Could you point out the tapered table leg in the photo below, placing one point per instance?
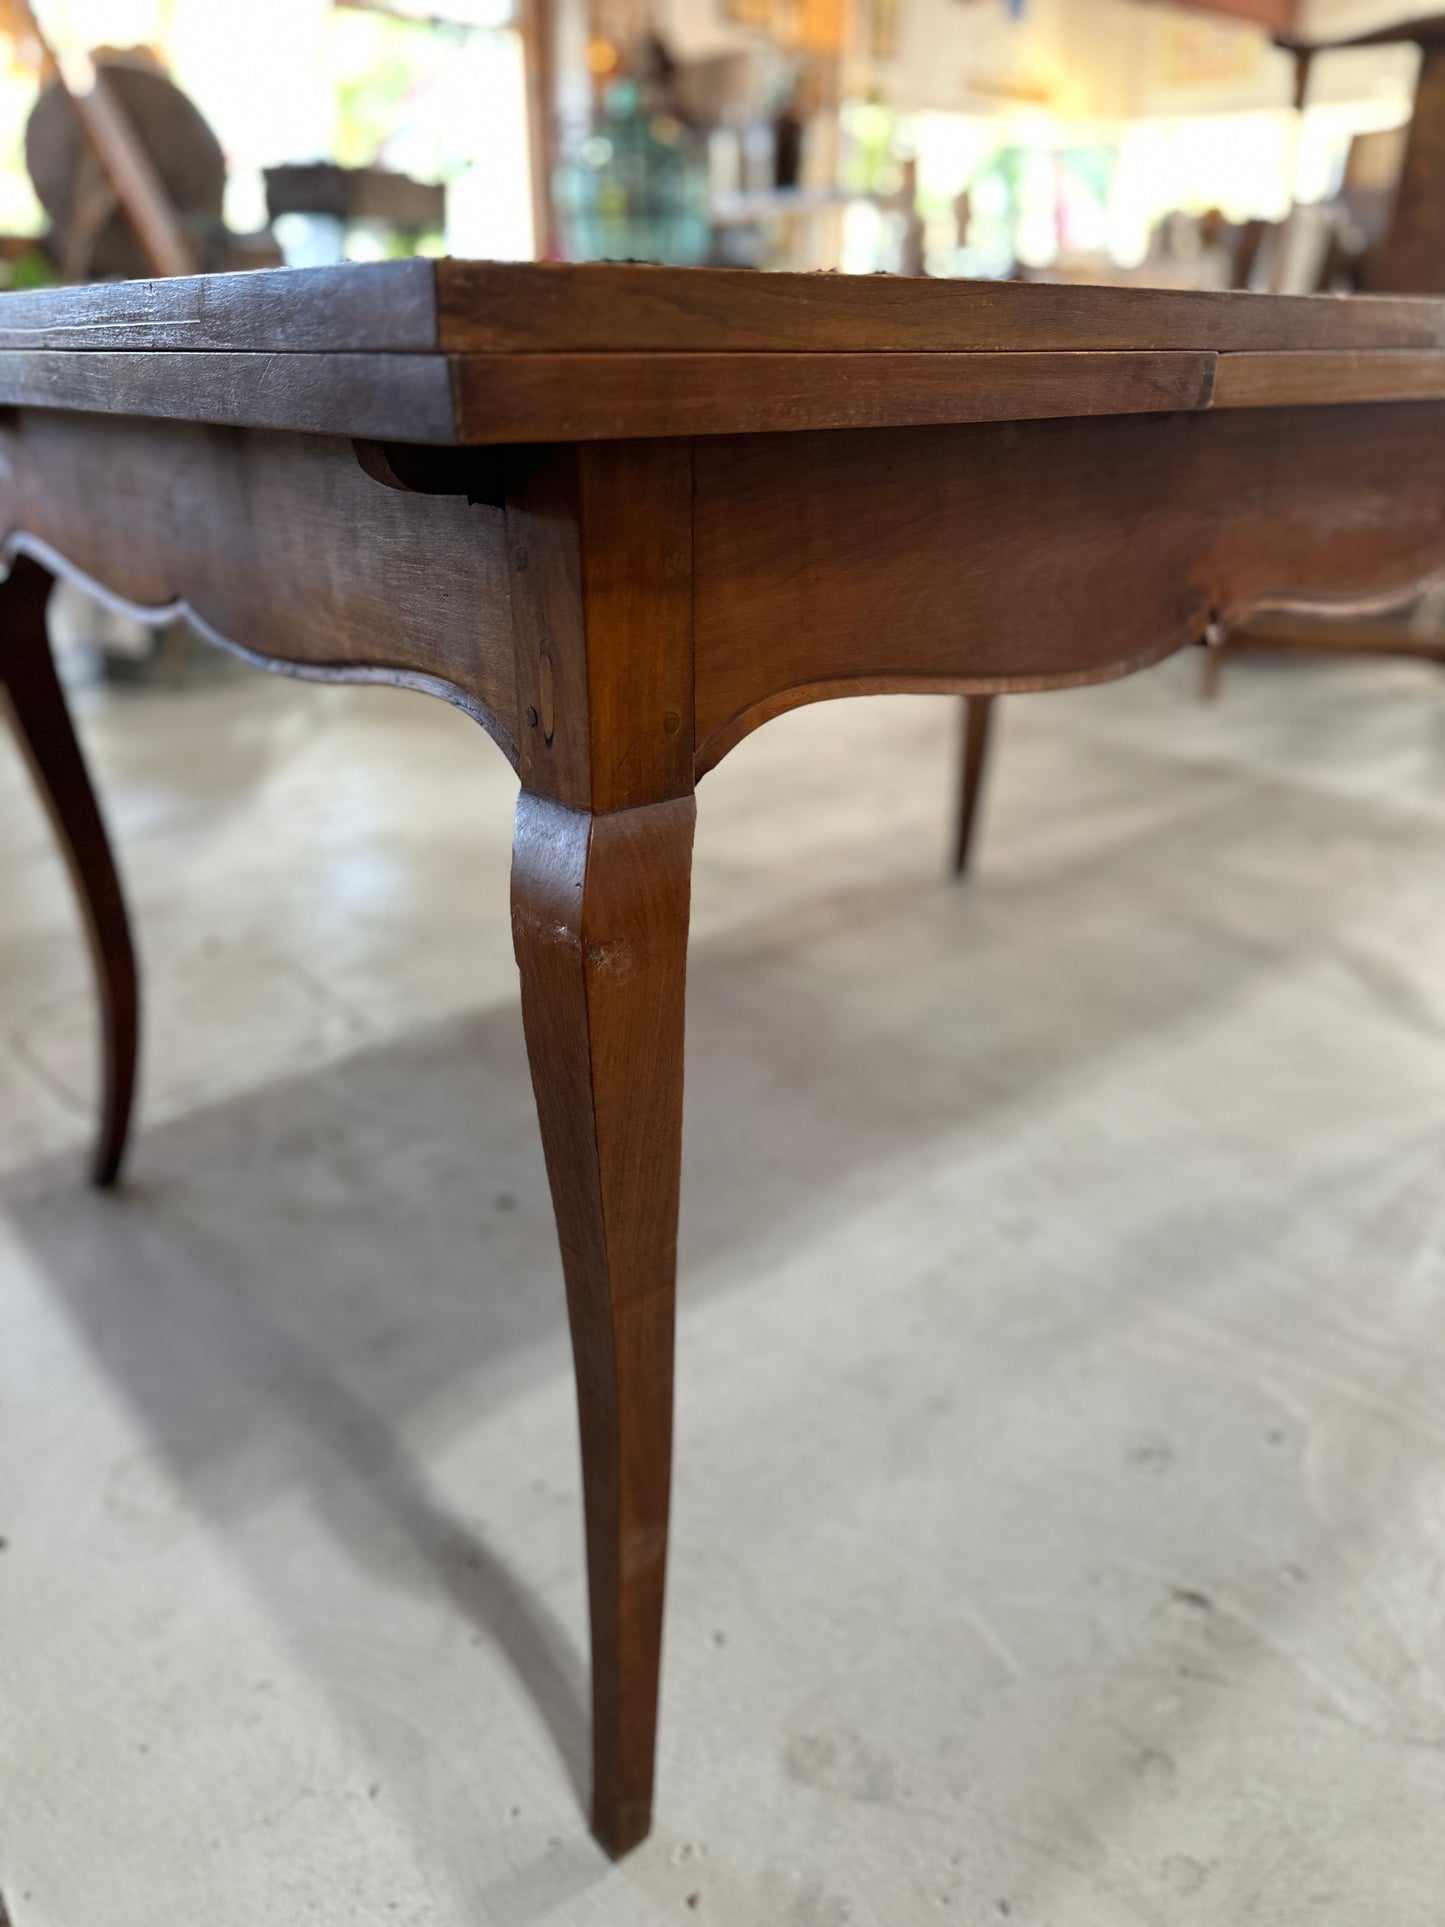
(1212, 672)
(37, 704)
(977, 723)
(599, 916)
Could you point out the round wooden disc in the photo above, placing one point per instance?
(186, 154)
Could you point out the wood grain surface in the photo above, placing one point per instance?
(1031, 555)
(279, 546)
(30, 689)
(371, 396)
(515, 399)
(457, 353)
(536, 307)
(600, 548)
(599, 920)
(1328, 378)
(651, 588)
(521, 398)
(510, 400)
(420, 307)
(384, 307)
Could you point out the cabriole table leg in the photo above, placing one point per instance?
(37, 705)
(599, 917)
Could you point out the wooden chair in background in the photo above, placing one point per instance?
(1388, 238)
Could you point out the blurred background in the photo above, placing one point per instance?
(1091, 139)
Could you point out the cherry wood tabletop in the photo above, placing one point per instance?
(623, 516)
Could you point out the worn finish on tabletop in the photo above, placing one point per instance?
(456, 352)
(389, 310)
(420, 307)
(382, 397)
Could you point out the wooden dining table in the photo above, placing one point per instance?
(623, 516)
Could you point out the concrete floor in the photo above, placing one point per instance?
(1059, 1532)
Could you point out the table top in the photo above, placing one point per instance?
(443, 352)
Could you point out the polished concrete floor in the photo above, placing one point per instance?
(1060, 1513)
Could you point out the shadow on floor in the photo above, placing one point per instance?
(317, 1284)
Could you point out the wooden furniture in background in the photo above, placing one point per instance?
(126, 167)
(90, 162)
(1387, 635)
(1411, 257)
(564, 500)
(1407, 257)
(346, 194)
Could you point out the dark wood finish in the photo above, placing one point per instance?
(1350, 375)
(502, 398)
(386, 307)
(37, 708)
(539, 307)
(375, 397)
(524, 308)
(600, 548)
(1037, 554)
(977, 726)
(440, 400)
(453, 352)
(278, 546)
(621, 600)
(437, 399)
(599, 917)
